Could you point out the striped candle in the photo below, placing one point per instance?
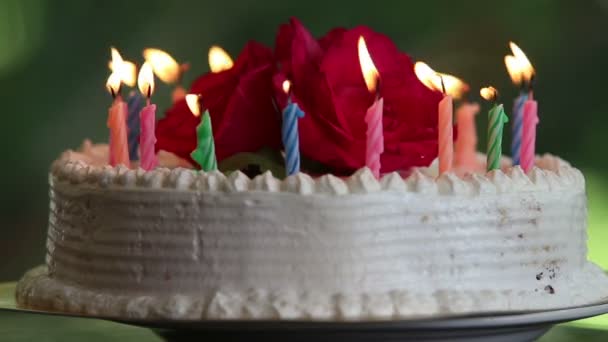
(518, 118)
(119, 148)
(148, 137)
(375, 136)
(291, 143)
(204, 154)
(496, 121)
(135, 103)
(528, 146)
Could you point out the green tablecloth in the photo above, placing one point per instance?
(27, 327)
(42, 328)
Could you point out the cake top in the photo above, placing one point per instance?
(87, 167)
(333, 105)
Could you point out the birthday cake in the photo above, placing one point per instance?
(343, 232)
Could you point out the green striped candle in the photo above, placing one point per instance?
(204, 154)
(496, 121)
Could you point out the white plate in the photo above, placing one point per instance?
(499, 327)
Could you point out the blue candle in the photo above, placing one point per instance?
(517, 128)
(135, 103)
(291, 114)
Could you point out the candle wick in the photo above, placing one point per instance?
(442, 84)
(275, 105)
(522, 82)
(495, 96)
(378, 88)
(200, 105)
(531, 83)
(149, 92)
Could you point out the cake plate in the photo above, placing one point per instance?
(498, 327)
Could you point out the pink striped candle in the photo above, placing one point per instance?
(147, 137)
(375, 136)
(373, 117)
(147, 118)
(528, 139)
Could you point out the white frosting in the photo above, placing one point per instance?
(186, 244)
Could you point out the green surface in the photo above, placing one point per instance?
(29, 327)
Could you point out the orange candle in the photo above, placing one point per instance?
(465, 158)
(117, 123)
(446, 132)
(452, 88)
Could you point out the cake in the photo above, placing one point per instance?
(357, 212)
(185, 244)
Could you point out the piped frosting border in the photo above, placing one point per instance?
(550, 174)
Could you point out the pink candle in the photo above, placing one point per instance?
(465, 158)
(373, 117)
(446, 144)
(375, 136)
(528, 139)
(147, 117)
(147, 137)
(117, 123)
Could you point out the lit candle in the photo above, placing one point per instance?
(134, 100)
(167, 70)
(147, 117)
(520, 70)
(464, 156)
(528, 145)
(373, 117)
(291, 143)
(496, 121)
(204, 154)
(119, 152)
(446, 131)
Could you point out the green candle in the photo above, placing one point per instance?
(496, 121)
(204, 154)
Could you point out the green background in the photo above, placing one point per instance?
(53, 57)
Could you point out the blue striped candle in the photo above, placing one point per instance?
(291, 142)
(517, 128)
(135, 103)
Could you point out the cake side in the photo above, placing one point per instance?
(185, 244)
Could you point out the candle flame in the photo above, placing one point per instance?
(193, 104)
(518, 65)
(370, 73)
(145, 80)
(126, 69)
(163, 65)
(454, 86)
(286, 86)
(113, 83)
(489, 93)
(219, 59)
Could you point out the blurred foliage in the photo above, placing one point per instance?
(53, 57)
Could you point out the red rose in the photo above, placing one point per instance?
(328, 85)
(240, 102)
